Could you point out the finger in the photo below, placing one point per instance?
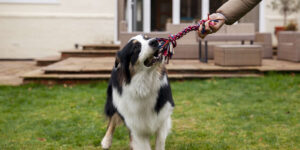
(207, 27)
(201, 34)
(217, 26)
(202, 29)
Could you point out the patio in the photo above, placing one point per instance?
(86, 70)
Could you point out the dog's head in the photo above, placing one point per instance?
(140, 53)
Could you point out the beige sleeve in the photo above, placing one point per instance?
(233, 10)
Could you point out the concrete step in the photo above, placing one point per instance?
(100, 47)
(88, 53)
(45, 61)
(38, 76)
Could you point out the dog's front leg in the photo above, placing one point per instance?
(162, 134)
(140, 142)
(113, 122)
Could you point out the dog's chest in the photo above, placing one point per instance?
(137, 102)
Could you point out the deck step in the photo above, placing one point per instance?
(108, 69)
(100, 47)
(45, 61)
(38, 76)
(88, 53)
(104, 65)
(86, 70)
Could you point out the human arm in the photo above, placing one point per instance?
(228, 13)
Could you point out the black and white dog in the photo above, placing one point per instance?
(139, 94)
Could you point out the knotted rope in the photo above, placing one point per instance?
(167, 45)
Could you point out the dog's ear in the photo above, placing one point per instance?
(135, 52)
(128, 56)
(124, 59)
(117, 62)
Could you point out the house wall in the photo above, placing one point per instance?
(274, 18)
(32, 30)
(252, 17)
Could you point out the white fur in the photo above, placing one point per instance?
(137, 101)
(106, 142)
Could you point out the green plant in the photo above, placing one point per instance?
(286, 7)
(292, 26)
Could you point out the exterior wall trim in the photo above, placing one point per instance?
(31, 1)
(176, 12)
(116, 23)
(129, 15)
(147, 16)
(58, 15)
(205, 8)
(262, 23)
(279, 17)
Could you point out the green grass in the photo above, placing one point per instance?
(252, 113)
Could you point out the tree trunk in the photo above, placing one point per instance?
(285, 18)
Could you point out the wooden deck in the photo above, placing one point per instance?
(85, 70)
(105, 64)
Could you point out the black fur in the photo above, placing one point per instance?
(110, 109)
(164, 96)
(115, 75)
(128, 55)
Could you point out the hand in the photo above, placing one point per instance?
(212, 29)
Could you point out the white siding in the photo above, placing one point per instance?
(37, 30)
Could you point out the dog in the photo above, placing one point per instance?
(139, 94)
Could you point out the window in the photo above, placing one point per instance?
(30, 1)
(190, 10)
(215, 5)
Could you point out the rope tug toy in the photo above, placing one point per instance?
(167, 45)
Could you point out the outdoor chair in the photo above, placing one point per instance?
(265, 40)
(240, 34)
(227, 35)
(289, 46)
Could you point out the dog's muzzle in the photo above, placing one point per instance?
(156, 55)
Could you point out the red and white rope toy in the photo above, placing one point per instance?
(167, 45)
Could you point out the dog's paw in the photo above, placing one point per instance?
(106, 143)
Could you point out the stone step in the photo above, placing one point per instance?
(100, 47)
(38, 76)
(45, 61)
(88, 53)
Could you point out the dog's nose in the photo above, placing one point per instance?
(153, 43)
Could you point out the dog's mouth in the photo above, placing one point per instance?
(153, 59)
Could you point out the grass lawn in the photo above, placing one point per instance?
(251, 113)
